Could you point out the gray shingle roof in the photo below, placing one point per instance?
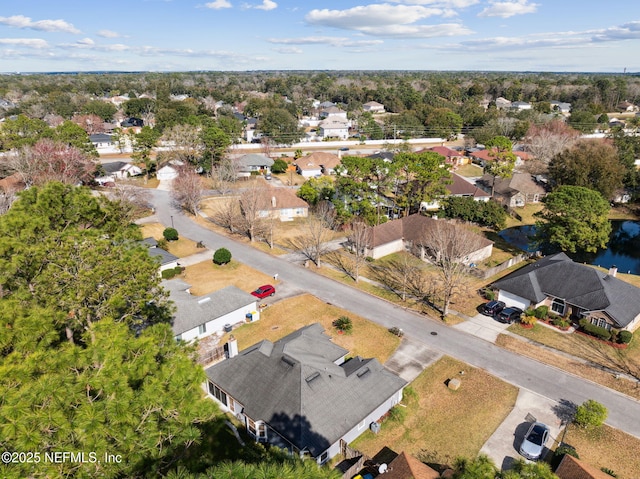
(192, 311)
(580, 285)
(254, 159)
(164, 256)
(295, 386)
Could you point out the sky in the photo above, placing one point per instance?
(246, 35)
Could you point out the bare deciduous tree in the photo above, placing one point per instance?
(546, 141)
(317, 232)
(223, 174)
(227, 214)
(252, 204)
(359, 240)
(134, 201)
(48, 160)
(92, 124)
(187, 189)
(185, 142)
(404, 277)
(448, 246)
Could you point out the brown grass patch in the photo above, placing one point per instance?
(526, 214)
(180, 248)
(443, 423)
(469, 170)
(367, 339)
(568, 364)
(206, 277)
(606, 447)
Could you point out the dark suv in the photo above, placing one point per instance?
(492, 308)
(509, 315)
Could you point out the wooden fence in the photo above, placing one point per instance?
(487, 273)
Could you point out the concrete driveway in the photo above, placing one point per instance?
(503, 446)
(411, 358)
(481, 326)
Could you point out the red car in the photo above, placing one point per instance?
(264, 291)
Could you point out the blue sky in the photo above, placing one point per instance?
(179, 35)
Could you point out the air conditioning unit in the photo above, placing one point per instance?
(375, 427)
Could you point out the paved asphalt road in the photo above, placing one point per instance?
(547, 381)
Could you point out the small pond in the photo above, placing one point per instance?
(623, 249)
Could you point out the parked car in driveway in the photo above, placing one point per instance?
(264, 291)
(534, 441)
(493, 307)
(509, 315)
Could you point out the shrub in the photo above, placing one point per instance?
(488, 294)
(541, 312)
(222, 256)
(590, 414)
(606, 470)
(163, 244)
(625, 337)
(171, 272)
(563, 449)
(279, 166)
(561, 322)
(344, 324)
(594, 330)
(397, 331)
(397, 414)
(170, 234)
(526, 319)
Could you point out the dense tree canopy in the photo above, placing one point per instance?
(574, 219)
(589, 163)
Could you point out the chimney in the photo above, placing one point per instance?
(232, 346)
(613, 271)
(273, 201)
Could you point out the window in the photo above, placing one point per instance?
(362, 424)
(323, 457)
(558, 306)
(600, 322)
(202, 329)
(251, 426)
(218, 393)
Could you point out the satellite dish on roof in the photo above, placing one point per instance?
(382, 468)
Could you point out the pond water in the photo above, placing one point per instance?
(623, 249)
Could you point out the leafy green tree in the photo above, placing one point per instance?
(443, 123)
(23, 131)
(481, 467)
(418, 177)
(216, 142)
(284, 469)
(589, 163)
(170, 234)
(574, 218)
(73, 135)
(103, 109)
(583, 121)
(222, 256)
(143, 144)
(371, 129)
(316, 189)
(628, 148)
(62, 248)
(136, 396)
(139, 107)
(280, 126)
(503, 160)
(486, 213)
(279, 166)
(590, 414)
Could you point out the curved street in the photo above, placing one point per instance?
(547, 381)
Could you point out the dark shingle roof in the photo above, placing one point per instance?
(296, 386)
(580, 285)
(164, 256)
(192, 311)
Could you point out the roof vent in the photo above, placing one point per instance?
(312, 377)
(288, 361)
(363, 373)
(203, 300)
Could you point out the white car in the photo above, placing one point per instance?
(534, 441)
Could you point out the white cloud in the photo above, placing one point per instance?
(440, 3)
(331, 41)
(25, 42)
(267, 5)
(218, 4)
(508, 9)
(371, 16)
(86, 41)
(20, 21)
(108, 34)
(289, 50)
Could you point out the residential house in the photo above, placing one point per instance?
(317, 163)
(197, 317)
(405, 466)
(626, 106)
(132, 123)
(458, 187)
(121, 169)
(333, 112)
(253, 163)
(520, 105)
(573, 468)
(518, 190)
(164, 258)
(334, 128)
(167, 173)
(373, 107)
(560, 107)
(326, 104)
(502, 103)
(453, 157)
(302, 394)
(482, 157)
(407, 233)
(573, 289)
(282, 204)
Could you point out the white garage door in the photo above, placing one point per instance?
(511, 299)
